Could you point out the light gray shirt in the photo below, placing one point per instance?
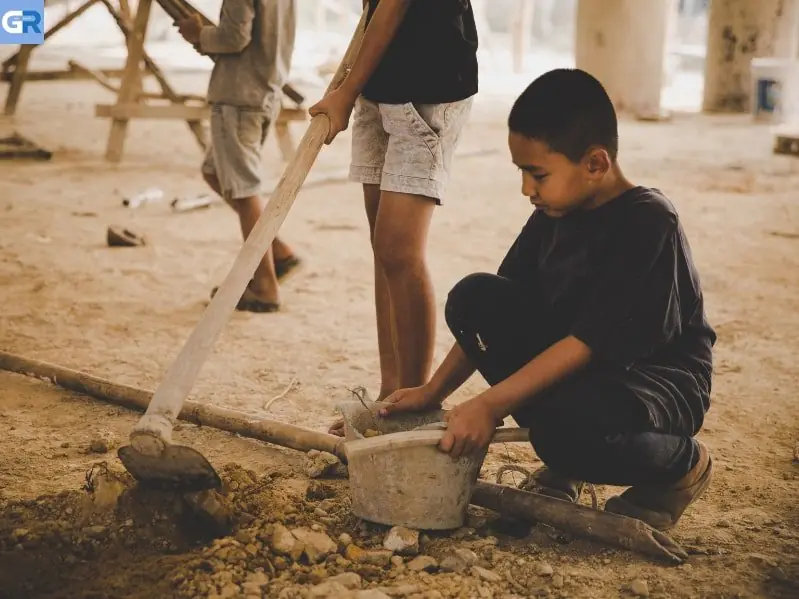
(252, 46)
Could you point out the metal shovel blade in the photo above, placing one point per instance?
(178, 468)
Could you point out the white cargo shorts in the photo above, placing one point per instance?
(406, 148)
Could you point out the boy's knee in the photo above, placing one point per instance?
(395, 254)
(466, 297)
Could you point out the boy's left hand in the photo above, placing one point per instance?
(337, 105)
(190, 29)
(470, 426)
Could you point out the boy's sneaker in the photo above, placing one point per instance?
(545, 482)
(661, 507)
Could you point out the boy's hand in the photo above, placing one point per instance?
(337, 105)
(470, 426)
(190, 29)
(413, 399)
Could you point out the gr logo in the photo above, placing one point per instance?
(22, 22)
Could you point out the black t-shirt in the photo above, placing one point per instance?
(621, 279)
(432, 58)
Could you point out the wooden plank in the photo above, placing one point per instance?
(194, 125)
(136, 110)
(17, 79)
(130, 86)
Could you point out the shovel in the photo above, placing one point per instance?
(151, 458)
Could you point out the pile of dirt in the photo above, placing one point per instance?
(258, 536)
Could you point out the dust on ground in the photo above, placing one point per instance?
(123, 314)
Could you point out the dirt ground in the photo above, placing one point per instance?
(123, 314)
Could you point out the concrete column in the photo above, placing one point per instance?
(738, 31)
(623, 44)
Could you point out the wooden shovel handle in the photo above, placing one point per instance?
(154, 429)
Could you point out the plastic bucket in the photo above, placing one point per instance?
(773, 80)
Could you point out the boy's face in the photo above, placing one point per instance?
(555, 184)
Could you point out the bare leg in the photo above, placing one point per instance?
(280, 250)
(400, 242)
(389, 375)
(386, 335)
(264, 281)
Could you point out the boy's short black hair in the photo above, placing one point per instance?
(570, 111)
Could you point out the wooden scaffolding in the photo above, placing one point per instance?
(132, 102)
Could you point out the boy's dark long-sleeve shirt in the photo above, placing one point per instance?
(621, 279)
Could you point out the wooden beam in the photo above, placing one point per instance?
(17, 79)
(136, 110)
(194, 125)
(130, 85)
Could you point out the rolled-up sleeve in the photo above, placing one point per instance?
(234, 31)
(632, 308)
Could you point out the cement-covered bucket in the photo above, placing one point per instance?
(400, 477)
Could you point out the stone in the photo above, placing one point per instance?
(254, 583)
(370, 594)
(354, 553)
(402, 541)
(639, 587)
(344, 539)
(544, 569)
(230, 591)
(320, 465)
(316, 545)
(103, 442)
(285, 543)
(397, 561)
(329, 590)
(423, 563)
(319, 491)
(349, 580)
(459, 560)
(557, 581)
(377, 557)
(486, 575)
(318, 574)
(320, 513)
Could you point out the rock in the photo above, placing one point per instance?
(422, 563)
(317, 491)
(639, 587)
(349, 580)
(94, 531)
(329, 590)
(459, 560)
(230, 591)
(320, 513)
(320, 465)
(557, 581)
(724, 524)
(354, 553)
(370, 594)
(19, 534)
(486, 575)
(402, 541)
(107, 487)
(344, 539)
(544, 569)
(210, 507)
(254, 583)
(317, 545)
(397, 561)
(377, 557)
(318, 574)
(103, 442)
(328, 505)
(285, 543)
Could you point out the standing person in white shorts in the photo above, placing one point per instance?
(411, 87)
(252, 47)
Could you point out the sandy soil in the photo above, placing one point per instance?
(124, 314)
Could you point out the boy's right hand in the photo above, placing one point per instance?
(413, 399)
(337, 105)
